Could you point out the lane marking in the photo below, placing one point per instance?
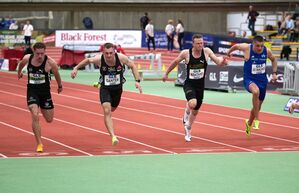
(115, 152)
(35, 154)
(134, 123)
(95, 130)
(78, 98)
(165, 105)
(46, 138)
(156, 128)
(222, 127)
(3, 156)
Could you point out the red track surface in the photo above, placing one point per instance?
(145, 124)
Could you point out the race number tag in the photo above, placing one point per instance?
(37, 78)
(258, 68)
(112, 80)
(196, 73)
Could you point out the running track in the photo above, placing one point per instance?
(145, 124)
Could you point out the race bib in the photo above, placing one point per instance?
(258, 68)
(112, 80)
(196, 73)
(37, 78)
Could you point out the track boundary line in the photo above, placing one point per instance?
(217, 126)
(171, 106)
(134, 123)
(3, 156)
(46, 138)
(157, 128)
(94, 130)
(162, 97)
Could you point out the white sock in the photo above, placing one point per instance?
(186, 113)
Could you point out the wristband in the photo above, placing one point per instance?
(137, 81)
(274, 73)
(60, 86)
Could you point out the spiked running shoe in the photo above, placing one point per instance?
(39, 148)
(256, 124)
(114, 140)
(248, 128)
(96, 85)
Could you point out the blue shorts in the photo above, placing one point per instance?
(261, 85)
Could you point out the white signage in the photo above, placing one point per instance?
(126, 38)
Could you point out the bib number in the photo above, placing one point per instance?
(196, 74)
(37, 78)
(258, 68)
(111, 80)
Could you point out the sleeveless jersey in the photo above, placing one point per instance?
(196, 70)
(255, 66)
(38, 78)
(111, 77)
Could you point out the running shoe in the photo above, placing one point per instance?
(187, 133)
(39, 148)
(248, 128)
(256, 124)
(96, 85)
(114, 140)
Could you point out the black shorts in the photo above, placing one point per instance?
(40, 97)
(192, 92)
(111, 96)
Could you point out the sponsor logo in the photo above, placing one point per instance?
(237, 79)
(223, 76)
(212, 76)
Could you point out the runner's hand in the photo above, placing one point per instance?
(20, 75)
(274, 78)
(74, 73)
(138, 86)
(165, 77)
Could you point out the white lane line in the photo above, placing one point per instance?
(142, 101)
(157, 128)
(91, 129)
(162, 115)
(2, 155)
(46, 138)
(136, 123)
(164, 105)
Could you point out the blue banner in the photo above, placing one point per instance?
(219, 44)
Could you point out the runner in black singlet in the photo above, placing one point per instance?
(111, 65)
(38, 87)
(196, 65)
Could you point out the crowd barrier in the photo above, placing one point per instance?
(291, 79)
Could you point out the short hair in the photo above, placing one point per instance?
(196, 36)
(258, 38)
(39, 45)
(108, 45)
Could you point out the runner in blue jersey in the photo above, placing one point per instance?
(196, 63)
(111, 65)
(255, 78)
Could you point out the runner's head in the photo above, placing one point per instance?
(109, 51)
(197, 41)
(258, 44)
(39, 49)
